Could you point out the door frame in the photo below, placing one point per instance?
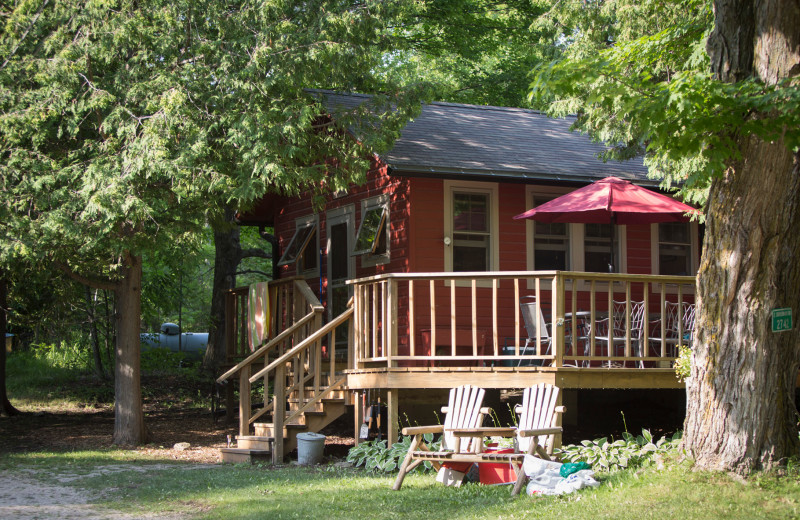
(343, 215)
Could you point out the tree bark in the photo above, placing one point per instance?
(6, 408)
(93, 336)
(129, 426)
(227, 255)
(741, 396)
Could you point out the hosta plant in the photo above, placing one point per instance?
(629, 452)
(376, 456)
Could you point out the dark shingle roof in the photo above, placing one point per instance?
(504, 144)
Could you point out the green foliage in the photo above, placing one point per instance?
(683, 365)
(161, 360)
(628, 452)
(375, 456)
(637, 75)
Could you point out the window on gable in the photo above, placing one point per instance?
(471, 245)
(371, 236)
(298, 249)
(675, 249)
(550, 244)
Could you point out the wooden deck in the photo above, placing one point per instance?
(441, 330)
(511, 377)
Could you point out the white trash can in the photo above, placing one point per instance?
(309, 448)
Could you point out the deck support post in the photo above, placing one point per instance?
(358, 413)
(392, 417)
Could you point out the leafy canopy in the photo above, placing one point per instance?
(638, 76)
(125, 124)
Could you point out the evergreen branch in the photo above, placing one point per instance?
(25, 34)
(97, 284)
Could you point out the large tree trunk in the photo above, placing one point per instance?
(740, 398)
(6, 408)
(227, 255)
(129, 427)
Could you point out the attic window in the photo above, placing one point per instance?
(371, 237)
(303, 236)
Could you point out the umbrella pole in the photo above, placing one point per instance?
(611, 263)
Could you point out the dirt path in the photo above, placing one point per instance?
(24, 497)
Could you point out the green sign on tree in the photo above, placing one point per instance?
(781, 320)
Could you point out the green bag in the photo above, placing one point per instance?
(569, 468)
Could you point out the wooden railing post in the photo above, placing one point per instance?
(244, 400)
(391, 323)
(278, 413)
(559, 295)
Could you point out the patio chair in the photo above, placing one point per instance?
(530, 313)
(679, 328)
(463, 411)
(612, 330)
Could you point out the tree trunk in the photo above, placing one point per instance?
(6, 408)
(129, 427)
(227, 255)
(93, 336)
(741, 396)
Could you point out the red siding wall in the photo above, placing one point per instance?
(417, 246)
(378, 183)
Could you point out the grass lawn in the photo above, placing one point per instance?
(124, 481)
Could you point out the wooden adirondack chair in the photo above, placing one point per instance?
(463, 411)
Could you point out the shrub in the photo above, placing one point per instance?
(628, 452)
(375, 456)
(683, 365)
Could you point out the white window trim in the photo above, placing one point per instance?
(694, 237)
(298, 223)
(369, 259)
(486, 188)
(576, 238)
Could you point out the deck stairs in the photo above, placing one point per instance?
(299, 365)
(259, 446)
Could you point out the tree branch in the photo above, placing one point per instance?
(254, 271)
(25, 34)
(97, 284)
(255, 252)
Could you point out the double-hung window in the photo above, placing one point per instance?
(471, 226)
(550, 244)
(675, 249)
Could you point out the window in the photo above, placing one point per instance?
(371, 237)
(550, 244)
(675, 249)
(302, 248)
(597, 248)
(471, 226)
(573, 246)
(471, 232)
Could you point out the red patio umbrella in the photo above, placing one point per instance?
(611, 200)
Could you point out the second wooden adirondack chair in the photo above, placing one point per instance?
(463, 411)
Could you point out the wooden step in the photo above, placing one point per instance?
(267, 429)
(254, 442)
(242, 455)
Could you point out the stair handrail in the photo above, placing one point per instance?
(274, 341)
(300, 347)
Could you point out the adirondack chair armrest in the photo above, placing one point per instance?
(540, 431)
(560, 409)
(419, 430)
(489, 431)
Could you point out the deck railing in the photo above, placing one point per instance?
(296, 363)
(475, 319)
